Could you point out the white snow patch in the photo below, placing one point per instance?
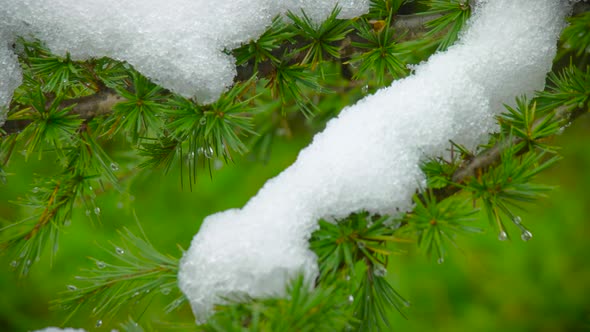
(179, 44)
(10, 74)
(368, 158)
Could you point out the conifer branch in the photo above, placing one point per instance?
(493, 155)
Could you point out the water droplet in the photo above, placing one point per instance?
(97, 210)
(440, 260)
(98, 323)
(526, 235)
(100, 265)
(14, 263)
(191, 155)
(502, 236)
(365, 89)
(281, 132)
(119, 251)
(361, 244)
(36, 190)
(217, 164)
(90, 188)
(203, 121)
(28, 262)
(120, 205)
(72, 288)
(165, 290)
(207, 152)
(347, 278)
(87, 212)
(135, 294)
(67, 222)
(114, 166)
(517, 220)
(380, 271)
(407, 304)
(350, 298)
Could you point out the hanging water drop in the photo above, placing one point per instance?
(88, 212)
(90, 188)
(119, 251)
(35, 190)
(217, 164)
(97, 210)
(98, 323)
(28, 262)
(361, 244)
(72, 288)
(380, 271)
(365, 89)
(347, 278)
(14, 264)
(350, 298)
(67, 222)
(100, 265)
(208, 152)
(440, 260)
(502, 236)
(135, 294)
(165, 290)
(114, 167)
(526, 235)
(517, 220)
(203, 121)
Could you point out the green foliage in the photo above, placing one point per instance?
(575, 37)
(49, 123)
(523, 122)
(289, 81)
(135, 272)
(383, 8)
(261, 50)
(293, 68)
(569, 88)
(140, 111)
(323, 308)
(383, 52)
(453, 16)
(320, 40)
(504, 188)
(435, 223)
(357, 249)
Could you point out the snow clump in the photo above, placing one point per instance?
(368, 158)
(179, 44)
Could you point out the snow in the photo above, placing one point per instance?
(10, 74)
(368, 158)
(179, 44)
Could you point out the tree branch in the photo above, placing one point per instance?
(493, 155)
(102, 102)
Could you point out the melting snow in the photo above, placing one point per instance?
(179, 44)
(368, 158)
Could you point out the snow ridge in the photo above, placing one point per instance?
(179, 44)
(368, 158)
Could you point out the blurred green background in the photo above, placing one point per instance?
(486, 285)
